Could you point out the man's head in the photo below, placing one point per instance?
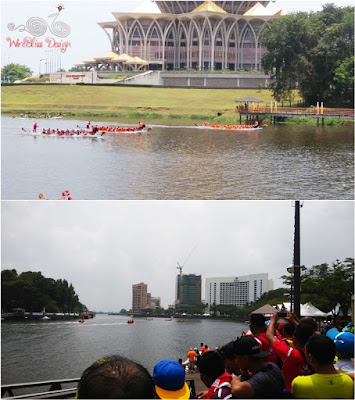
(169, 380)
(320, 351)
(247, 352)
(227, 354)
(310, 321)
(257, 323)
(288, 330)
(211, 366)
(344, 343)
(115, 377)
(302, 333)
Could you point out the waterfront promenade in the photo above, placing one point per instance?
(274, 112)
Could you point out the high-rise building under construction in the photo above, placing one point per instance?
(188, 292)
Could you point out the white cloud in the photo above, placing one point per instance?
(103, 248)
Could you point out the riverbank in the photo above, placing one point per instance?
(162, 106)
(127, 102)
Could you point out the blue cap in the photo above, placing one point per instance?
(344, 341)
(169, 380)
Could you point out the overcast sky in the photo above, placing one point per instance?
(86, 38)
(103, 247)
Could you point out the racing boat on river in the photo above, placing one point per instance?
(41, 117)
(230, 127)
(70, 134)
(141, 128)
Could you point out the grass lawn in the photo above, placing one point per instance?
(126, 101)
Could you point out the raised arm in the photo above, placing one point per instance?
(270, 331)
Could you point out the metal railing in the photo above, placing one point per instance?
(295, 110)
(55, 390)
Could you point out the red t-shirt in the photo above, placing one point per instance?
(294, 362)
(265, 345)
(221, 387)
(191, 354)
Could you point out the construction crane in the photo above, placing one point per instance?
(181, 266)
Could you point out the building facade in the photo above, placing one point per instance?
(155, 302)
(237, 291)
(193, 35)
(188, 292)
(139, 297)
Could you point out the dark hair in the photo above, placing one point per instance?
(322, 348)
(226, 351)
(257, 320)
(289, 329)
(310, 321)
(303, 332)
(116, 377)
(211, 364)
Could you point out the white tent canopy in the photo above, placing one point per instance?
(309, 310)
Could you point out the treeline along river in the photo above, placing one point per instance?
(280, 162)
(40, 351)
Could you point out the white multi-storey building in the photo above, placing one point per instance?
(236, 290)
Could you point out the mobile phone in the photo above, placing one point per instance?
(282, 314)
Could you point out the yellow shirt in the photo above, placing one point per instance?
(323, 386)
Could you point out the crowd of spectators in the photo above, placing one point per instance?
(274, 359)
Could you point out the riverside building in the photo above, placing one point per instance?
(139, 297)
(191, 35)
(236, 290)
(188, 292)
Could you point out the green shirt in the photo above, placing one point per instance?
(323, 386)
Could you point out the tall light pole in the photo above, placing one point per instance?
(297, 262)
(42, 59)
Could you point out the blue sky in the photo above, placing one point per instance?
(86, 38)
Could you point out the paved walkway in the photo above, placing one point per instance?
(199, 385)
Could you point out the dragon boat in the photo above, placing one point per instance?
(230, 127)
(123, 129)
(71, 134)
(41, 117)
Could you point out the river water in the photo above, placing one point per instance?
(39, 351)
(280, 162)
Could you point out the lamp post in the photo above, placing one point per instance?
(291, 269)
(42, 59)
(297, 261)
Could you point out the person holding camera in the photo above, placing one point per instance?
(258, 329)
(294, 359)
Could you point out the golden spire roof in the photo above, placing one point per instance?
(209, 6)
(257, 9)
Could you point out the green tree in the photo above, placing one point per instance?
(325, 286)
(286, 39)
(75, 69)
(13, 72)
(344, 80)
(33, 292)
(306, 49)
